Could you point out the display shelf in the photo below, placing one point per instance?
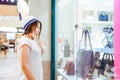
(104, 50)
(92, 18)
(98, 22)
(65, 76)
(89, 19)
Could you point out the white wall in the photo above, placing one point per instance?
(42, 10)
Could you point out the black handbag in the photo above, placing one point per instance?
(107, 59)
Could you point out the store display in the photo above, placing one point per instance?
(101, 33)
(98, 33)
(93, 64)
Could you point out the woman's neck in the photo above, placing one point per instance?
(29, 36)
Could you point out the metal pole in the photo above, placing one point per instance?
(53, 38)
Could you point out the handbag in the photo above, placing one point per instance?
(85, 58)
(66, 49)
(69, 67)
(108, 39)
(103, 16)
(107, 60)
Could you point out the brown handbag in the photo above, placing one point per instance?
(69, 67)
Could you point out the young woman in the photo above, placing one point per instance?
(30, 48)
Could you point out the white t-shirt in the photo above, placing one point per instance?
(34, 57)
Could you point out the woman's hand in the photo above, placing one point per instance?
(42, 46)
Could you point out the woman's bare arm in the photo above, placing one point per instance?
(25, 52)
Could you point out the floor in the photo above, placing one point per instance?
(9, 66)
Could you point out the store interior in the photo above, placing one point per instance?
(75, 16)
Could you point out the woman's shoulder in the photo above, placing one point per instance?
(24, 40)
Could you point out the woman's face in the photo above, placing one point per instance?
(37, 31)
